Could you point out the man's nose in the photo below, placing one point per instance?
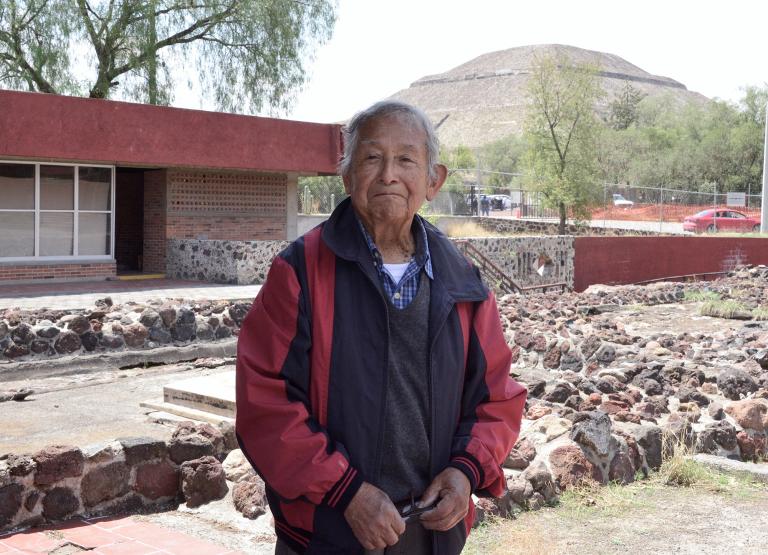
(388, 170)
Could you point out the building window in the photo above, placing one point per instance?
(55, 211)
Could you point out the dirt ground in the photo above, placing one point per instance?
(638, 519)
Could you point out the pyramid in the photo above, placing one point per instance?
(484, 100)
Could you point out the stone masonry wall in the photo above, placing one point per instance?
(247, 262)
(500, 225)
(31, 335)
(521, 257)
(127, 475)
(235, 262)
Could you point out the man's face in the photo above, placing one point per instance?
(389, 176)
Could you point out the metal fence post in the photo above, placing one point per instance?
(661, 208)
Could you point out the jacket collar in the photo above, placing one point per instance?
(451, 269)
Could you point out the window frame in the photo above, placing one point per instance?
(75, 256)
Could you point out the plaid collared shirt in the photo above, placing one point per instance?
(402, 293)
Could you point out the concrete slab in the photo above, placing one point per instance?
(74, 295)
(215, 394)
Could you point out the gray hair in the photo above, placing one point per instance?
(383, 108)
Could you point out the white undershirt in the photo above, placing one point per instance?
(396, 271)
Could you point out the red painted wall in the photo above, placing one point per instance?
(42, 126)
(620, 260)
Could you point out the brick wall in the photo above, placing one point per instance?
(92, 270)
(155, 233)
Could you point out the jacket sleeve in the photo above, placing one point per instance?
(274, 424)
(492, 404)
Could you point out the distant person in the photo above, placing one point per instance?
(485, 205)
(372, 369)
(473, 206)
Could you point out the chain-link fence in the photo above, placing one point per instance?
(646, 208)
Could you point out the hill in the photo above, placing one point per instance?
(483, 100)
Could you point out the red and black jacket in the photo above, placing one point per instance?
(311, 382)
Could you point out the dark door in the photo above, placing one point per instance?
(129, 219)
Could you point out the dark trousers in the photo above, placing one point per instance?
(414, 541)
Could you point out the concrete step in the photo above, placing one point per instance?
(168, 413)
(214, 394)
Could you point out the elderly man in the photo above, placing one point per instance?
(372, 368)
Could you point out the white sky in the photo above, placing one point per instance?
(381, 46)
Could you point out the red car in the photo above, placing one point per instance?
(721, 219)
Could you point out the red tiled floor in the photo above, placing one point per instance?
(129, 548)
(90, 536)
(111, 536)
(111, 522)
(32, 541)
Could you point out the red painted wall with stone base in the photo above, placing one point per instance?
(622, 260)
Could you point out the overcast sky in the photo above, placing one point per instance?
(381, 46)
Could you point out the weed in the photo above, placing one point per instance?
(723, 309)
(470, 229)
(698, 296)
(760, 313)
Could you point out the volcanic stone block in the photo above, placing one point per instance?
(15, 351)
(249, 497)
(10, 503)
(90, 340)
(135, 335)
(192, 441)
(67, 342)
(202, 481)
(238, 312)
(57, 462)
(20, 465)
(715, 436)
(59, 503)
(157, 479)
(22, 334)
(140, 449)
(104, 483)
(222, 332)
(649, 438)
(79, 324)
(570, 467)
(734, 382)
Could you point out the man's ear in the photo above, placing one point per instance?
(434, 186)
(347, 184)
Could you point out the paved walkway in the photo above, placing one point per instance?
(82, 294)
(109, 536)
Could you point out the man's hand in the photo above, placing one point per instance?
(374, 518)
(452, 489)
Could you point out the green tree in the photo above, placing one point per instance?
(321, 194)
(561, 133)
(503, 158)
(246, 53)
(623, 108)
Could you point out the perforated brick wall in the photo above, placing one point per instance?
(233, 206)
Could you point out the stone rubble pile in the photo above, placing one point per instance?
(33, 334)
(606, 406)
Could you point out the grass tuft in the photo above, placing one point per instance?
(760, 313)
(699, 296)
(723, 309)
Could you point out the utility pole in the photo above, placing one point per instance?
(764, 206)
